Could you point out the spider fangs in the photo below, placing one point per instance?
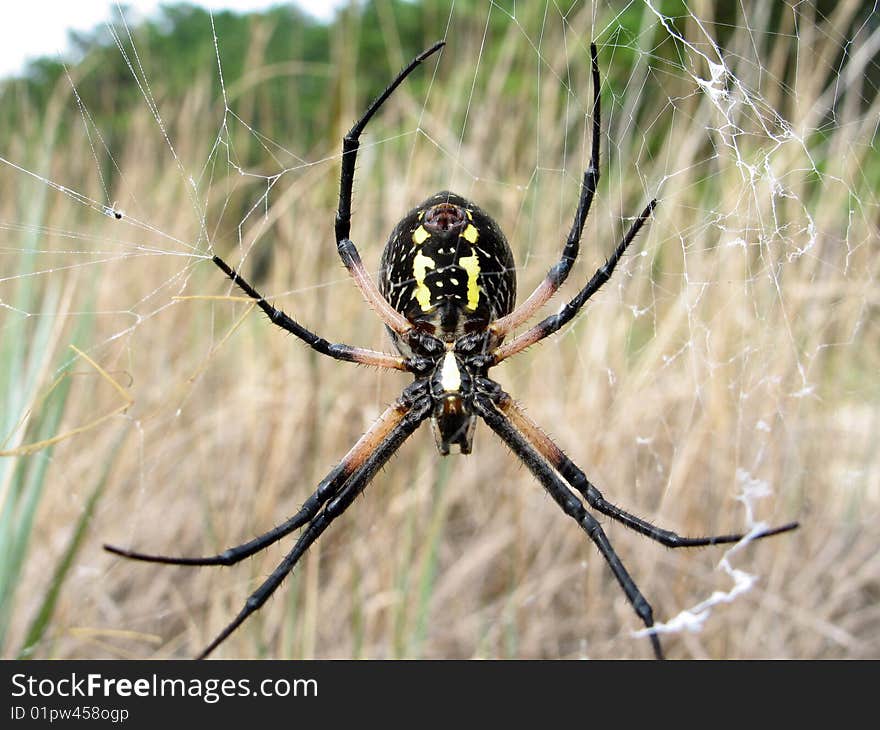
(446, 293)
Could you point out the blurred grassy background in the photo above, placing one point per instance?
(736, 347)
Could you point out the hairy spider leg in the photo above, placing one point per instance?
(571, 505)
(578, 480)
(542, 456)
(329, 487)
(347, 250)
(558, 273)
(337, 351)
(554, 322)
(408, 422)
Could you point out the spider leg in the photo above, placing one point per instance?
(577, 479)
(406, 424)
(337, 351)
(559, 272)
(347, 250)
(571, 505)
(555, 322)
(329, 487)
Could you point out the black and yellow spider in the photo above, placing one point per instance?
(446, 292)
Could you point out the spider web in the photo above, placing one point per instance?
(725, 379)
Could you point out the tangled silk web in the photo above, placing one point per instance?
(724, 380)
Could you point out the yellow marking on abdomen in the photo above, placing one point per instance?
(420, 235)
(421, 264)
(471, 264)
(471, 234)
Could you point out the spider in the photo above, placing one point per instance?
(446, 293)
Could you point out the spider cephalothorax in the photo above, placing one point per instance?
(446, 293)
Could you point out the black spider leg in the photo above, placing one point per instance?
(347, 250)
(578, 480)
(570, 504)
(358, 481)
(328, 488)
(554, 322)
(558, 273)
(335, 350)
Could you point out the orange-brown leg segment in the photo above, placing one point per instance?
(559, 272)
(333, 495)
(337, 351)
(570, 504)
(578, 480)
(404, 425)
(346, 248)
(555, 322)
(545, 460)
(330, 486)
(388, 314)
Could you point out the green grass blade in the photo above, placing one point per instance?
(43, 617)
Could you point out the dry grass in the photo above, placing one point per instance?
(706, 363)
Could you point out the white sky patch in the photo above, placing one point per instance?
(40, 27)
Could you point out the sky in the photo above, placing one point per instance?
(34, 28)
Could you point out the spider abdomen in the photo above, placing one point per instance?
(447, 267)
